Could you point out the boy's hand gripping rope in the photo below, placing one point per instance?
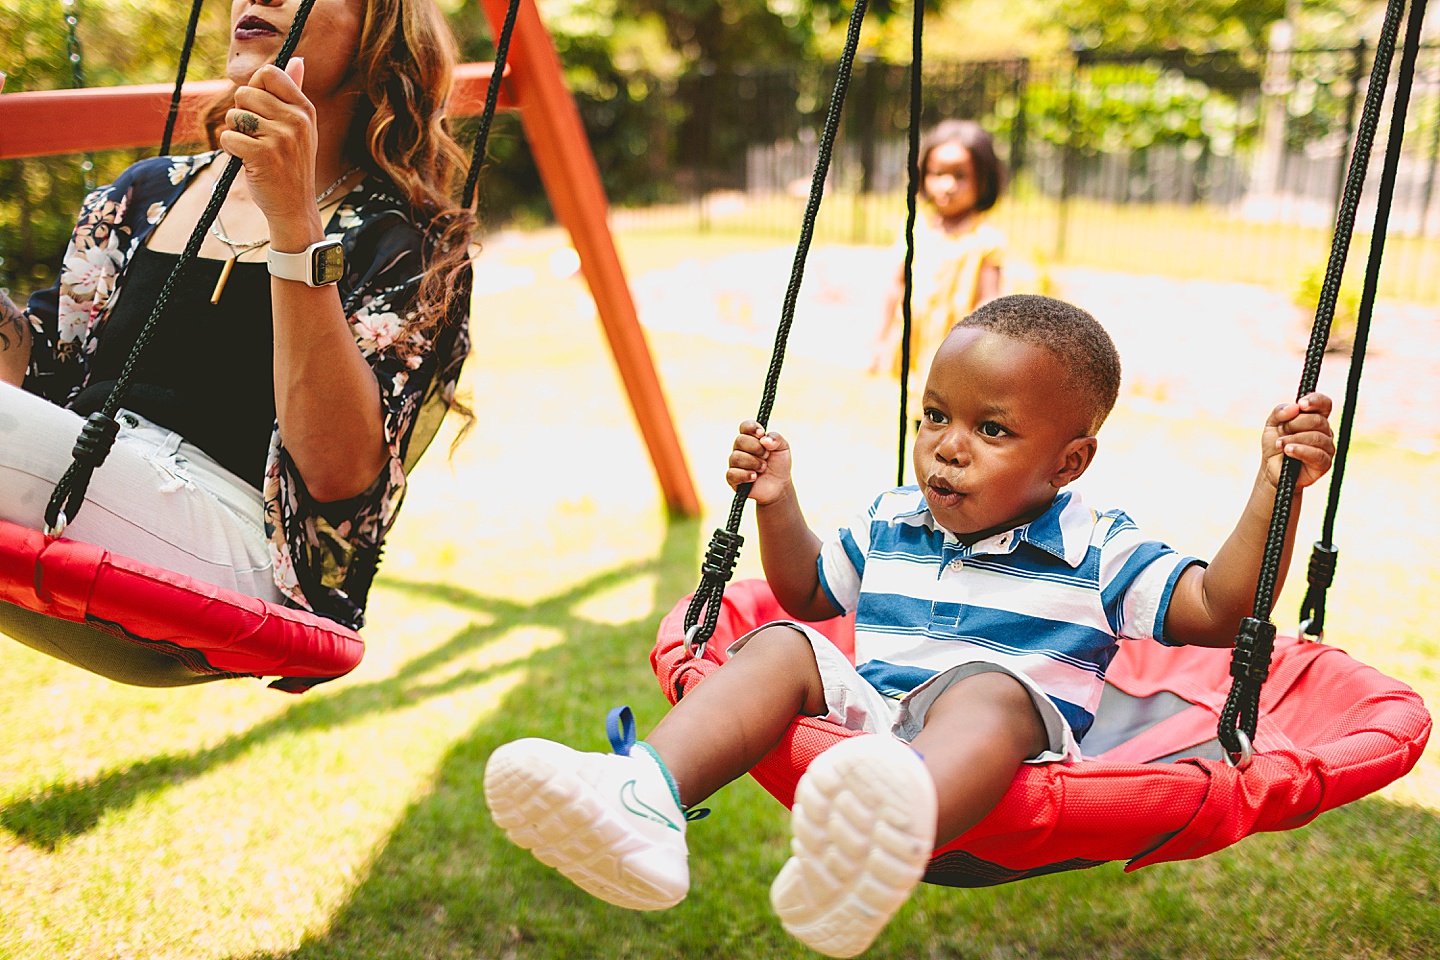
(98, 434)
(1250, 662)
(725, 543)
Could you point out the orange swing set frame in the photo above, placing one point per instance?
(32, 124)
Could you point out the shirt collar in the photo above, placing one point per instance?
(1063, 530)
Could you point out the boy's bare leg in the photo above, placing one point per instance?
(726, 725)
(976, 736)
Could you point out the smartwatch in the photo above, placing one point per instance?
(318, 264)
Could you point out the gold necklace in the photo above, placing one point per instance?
(239, 249)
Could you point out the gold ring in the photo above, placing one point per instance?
(247, 123)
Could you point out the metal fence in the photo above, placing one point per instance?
(1192, 165)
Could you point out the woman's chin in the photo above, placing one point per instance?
(242, 66)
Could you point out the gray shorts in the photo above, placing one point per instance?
(856, 705)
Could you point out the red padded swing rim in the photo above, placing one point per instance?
(210, 629)
(1332, 730)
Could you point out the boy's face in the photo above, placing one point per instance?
(1000, 435)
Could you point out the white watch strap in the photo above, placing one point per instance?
(289, 266)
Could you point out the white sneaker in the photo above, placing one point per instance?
(863, 828)
(610, 823)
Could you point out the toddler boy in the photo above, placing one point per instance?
(988, 603)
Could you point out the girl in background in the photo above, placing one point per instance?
(958, 256)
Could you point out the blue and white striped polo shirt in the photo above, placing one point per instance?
(1049, 599)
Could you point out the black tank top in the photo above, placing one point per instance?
(208, 372)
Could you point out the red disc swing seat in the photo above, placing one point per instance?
(1334, 730)
(146, 626)
(143, 625)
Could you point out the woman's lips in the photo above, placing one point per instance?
(253, 28)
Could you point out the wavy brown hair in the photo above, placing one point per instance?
(403, 68)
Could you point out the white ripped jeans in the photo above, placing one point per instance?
(156, 498)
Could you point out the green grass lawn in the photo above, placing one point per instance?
(520, 597)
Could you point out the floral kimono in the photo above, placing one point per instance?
(325, 554)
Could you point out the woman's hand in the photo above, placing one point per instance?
(762, 460)
(1302, 432)
(272, 130)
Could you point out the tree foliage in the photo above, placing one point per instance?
(1240, 26)
(1178, 24)
(121, 42)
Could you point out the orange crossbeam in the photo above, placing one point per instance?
(131, 117)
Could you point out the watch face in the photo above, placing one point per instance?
(328, 263)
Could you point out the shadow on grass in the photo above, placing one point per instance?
(66, 810)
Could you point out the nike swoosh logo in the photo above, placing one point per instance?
(632, 802)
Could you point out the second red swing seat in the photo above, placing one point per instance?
(1331, 731)
(151, 627)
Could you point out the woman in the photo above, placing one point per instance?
(265, 442)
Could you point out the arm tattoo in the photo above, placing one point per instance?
(11, 319)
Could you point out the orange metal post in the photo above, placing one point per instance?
(572, 181)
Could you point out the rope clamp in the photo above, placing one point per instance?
(95, 440)
(1247, 752)
(1323, 558)
(695, 650)
(1253, 646)
(57, 530)
(721, 557)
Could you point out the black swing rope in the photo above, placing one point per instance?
(185, 51)
(912, 195)
(1250, 662)
(98, 435)
(1324, 553)
(719, 563)
(492, 98)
